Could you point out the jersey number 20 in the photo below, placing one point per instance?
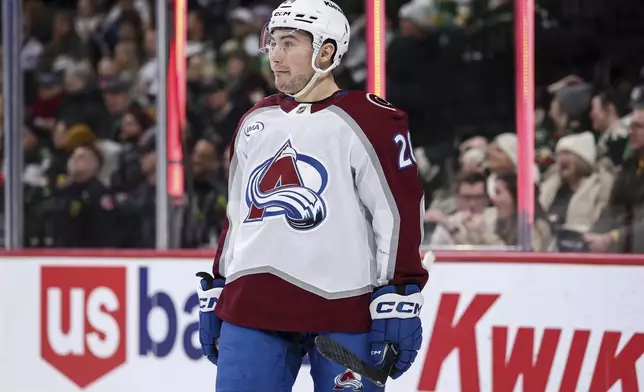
(405, 153)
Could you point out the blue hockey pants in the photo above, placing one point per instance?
(252, 360)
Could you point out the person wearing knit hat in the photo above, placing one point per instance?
(578, 192)
(67, 137)
(580, 144)
(502, 153)
(502, 157)
(415, 18)
(78, 135)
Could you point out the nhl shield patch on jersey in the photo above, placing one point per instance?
(289, 186)
(348, 381)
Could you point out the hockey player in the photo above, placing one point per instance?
(324, 222)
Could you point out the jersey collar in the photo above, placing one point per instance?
(288, 103)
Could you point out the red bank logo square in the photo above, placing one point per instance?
(82, 320)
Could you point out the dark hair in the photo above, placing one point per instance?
(327, 41)
(200, 15)
(616, 98)
(469, 178)
(508, 229)
(511, 183)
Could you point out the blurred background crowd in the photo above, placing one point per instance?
(89, 135)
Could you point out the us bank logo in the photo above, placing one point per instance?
(84, 320)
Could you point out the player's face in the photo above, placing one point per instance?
(290, 53)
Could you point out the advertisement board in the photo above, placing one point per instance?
(510, 323)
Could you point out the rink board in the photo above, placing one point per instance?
(104, 324)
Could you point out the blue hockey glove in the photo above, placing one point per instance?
(396, 321)
(209, 323)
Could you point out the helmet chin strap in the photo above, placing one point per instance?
(309, 85)
(318, 73)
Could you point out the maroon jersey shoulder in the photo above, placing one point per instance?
(378, 119)
(271, 100)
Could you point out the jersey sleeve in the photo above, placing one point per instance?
(387, 183)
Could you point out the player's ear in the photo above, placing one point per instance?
(325, 58)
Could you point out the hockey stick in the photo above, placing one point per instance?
(335, 352)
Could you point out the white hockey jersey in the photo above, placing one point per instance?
(324, 206)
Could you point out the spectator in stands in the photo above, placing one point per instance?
(128, 27)
(244, 37)
(621, 227)
(502, 159)
(220, 113)
(245, 85)
(199, 41)
(207, 197)
(505, 230)
(82, 98)
(141, 7)
(87, 23)
(478, 142)
(418, 90)
(570, 108)
(48, 101)
(472, 201)
(37, 156)
(136, 211)
(37, 192)
(77, 77)
(577, 193)
(147, 81)
(57, 168)
(118, 99)
(472, 155)
(107, 68)
(473, 160)
(66, 46)
(608, 108)
(502, 154)
(134, 123)
(83, 207)
(126, 59)
(31, 47)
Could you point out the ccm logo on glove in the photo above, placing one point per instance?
(396, 306)
(208, 299)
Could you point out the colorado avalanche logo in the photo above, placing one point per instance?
(348, 380)
(289, 184)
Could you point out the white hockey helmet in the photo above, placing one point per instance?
(323, 19)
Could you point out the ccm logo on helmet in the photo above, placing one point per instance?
(335, 7)
(282, 13)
